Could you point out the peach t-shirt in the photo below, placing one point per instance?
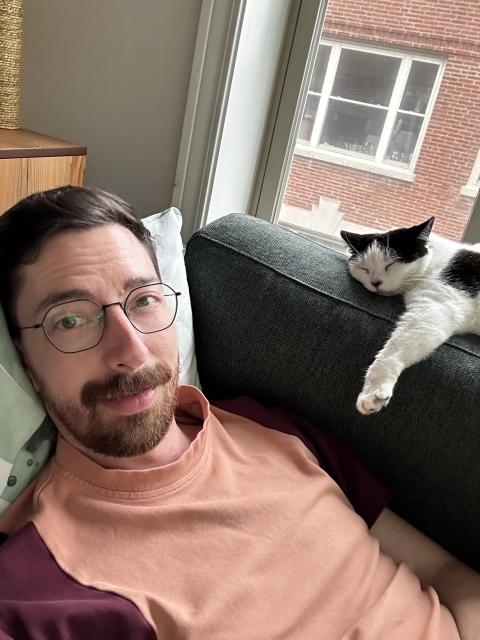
(244, 536)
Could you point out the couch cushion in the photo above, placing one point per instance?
(277, 317)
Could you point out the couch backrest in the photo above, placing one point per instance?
(277, 317)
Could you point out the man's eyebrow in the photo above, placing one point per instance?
(57, 297)
(139, 281)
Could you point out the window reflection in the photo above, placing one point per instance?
(419, 86)
(404, 138)
(308, 119)
(365, 77)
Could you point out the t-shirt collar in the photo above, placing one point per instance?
(192, 408)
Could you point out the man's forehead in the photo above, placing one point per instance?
(105, 259)
(91, 249)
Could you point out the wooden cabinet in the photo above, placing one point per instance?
(31, 161)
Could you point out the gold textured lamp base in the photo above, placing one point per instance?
(11, 31)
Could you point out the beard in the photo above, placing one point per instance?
(120, 436)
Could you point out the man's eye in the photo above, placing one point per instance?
(146, 301)
(70, 322)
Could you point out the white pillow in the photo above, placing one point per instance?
(27, 435)
(165, 228)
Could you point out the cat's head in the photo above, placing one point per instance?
(387, 263)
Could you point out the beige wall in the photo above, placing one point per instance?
(112, 75)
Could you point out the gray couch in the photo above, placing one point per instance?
(278, 318)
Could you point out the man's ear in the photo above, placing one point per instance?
(28, 370)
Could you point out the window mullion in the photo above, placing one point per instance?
(474, 178)
(362, 104)
(326, 91)
(393, 107)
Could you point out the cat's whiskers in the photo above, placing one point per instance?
(414, 279)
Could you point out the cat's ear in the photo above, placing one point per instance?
(355, 241)
(422, 231)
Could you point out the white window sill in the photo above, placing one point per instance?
(469, 190)
(355, 163)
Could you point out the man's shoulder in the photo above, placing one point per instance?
(367, 495)
(22, 510)
(35, 591)
(256, 428)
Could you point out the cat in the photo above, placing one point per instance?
(440, 283)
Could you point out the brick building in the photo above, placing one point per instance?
(391, 129)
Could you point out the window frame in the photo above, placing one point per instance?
(472, 188)
(197, 168)
(378, 165)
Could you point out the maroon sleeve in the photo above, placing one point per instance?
(368, 496)
(39, 601)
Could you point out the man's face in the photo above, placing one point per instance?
(118, 398)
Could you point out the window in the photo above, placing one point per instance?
(472, 187)
(369, 106)
(286, 180)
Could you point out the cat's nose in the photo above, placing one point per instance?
(377, 283)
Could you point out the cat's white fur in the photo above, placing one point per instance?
(434, 312)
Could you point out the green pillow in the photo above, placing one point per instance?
(27, 436)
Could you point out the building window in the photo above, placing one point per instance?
(368, 104)
(473, 185)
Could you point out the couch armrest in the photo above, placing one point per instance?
(277, 317)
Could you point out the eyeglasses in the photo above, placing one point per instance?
(78, 325)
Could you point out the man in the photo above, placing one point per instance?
(160, 516)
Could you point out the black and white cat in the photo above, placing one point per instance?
(440, 283)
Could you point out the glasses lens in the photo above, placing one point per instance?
(151, 308)
(74, 326)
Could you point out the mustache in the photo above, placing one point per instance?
(124, 385)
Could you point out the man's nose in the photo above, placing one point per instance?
(123, 344)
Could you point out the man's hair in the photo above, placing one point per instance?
(26, 226)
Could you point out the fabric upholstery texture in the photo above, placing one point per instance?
(278, 317)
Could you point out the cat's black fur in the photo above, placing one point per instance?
(463, 272)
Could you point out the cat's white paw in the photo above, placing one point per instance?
(371, 401)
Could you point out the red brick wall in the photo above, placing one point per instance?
(449, 28)
(441, 21)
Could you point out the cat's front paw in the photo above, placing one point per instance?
(372, 400)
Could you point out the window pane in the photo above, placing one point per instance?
(337, 182)
(404, 138)
(353, 127)
(419, 86)
(320, 68)
(308, 117)
(365, 77)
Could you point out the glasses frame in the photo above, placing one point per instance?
(102, 308)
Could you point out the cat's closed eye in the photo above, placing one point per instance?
(389, 265)
(364, 269)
